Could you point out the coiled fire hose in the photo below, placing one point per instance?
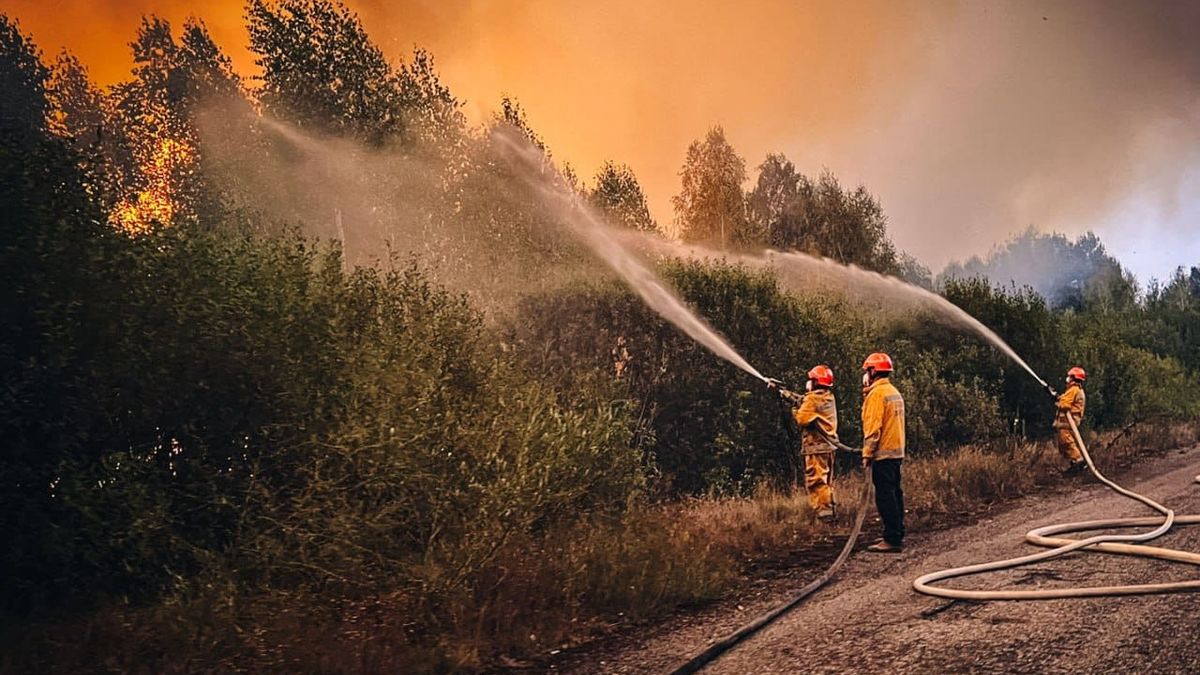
(1108, 543)
(729, 641)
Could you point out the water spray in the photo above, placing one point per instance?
(617, 249)
(795, 269)
(591, 229)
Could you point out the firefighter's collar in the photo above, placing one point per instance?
(878, 382)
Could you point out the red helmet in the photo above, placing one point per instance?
(822, 375)
(879, 362)
(1077, 373)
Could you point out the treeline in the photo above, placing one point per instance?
(1067, 273)
(200, 405)
(785, 210)
(181, 142)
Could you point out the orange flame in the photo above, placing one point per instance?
(158, 204)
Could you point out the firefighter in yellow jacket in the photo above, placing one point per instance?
(1071, 402)
(817, 418)
(883, 448)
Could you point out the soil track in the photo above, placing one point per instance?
(870, 620)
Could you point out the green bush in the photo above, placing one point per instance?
(226, 402)
(704, 425)
(943, 413)
(1127, 383)
(707, 428)
(1023, 320)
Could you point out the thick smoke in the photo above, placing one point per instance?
(1066, 116)
(1064, 272)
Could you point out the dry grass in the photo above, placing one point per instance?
(553, 592)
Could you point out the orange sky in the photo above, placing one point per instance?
(969, 120)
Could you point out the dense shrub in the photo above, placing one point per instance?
(1023, 320)
(705, 425)
(1126, 383)
(200, 401)
(943, 411)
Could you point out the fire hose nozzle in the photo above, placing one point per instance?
(1050, 390)
(786, 395)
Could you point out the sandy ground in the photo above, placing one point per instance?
(869, 620)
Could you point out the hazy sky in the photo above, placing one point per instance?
(970, 121)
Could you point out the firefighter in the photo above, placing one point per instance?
(817, 418)
(1071, 402)
(883, 448)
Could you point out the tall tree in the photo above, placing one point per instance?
(911, 270)
(77, 115)
(321, 70)
(512, 115)
(76, 103)
(710, 206)
(432, 115)
(774, 204)
(849, 225)
(1175, 307)
(619, 195)
(23, 76)
(163, 171)
(207, 72)
(794, 212)
(156, 154)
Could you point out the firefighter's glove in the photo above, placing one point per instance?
(793, 398)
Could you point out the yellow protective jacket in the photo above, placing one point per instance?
(1072, 400)
(818, 410)
(883, 421)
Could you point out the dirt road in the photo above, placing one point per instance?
(869, 620)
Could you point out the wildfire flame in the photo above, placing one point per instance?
(159, 203)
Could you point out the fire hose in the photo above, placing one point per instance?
(1042, 536)
(1123, 544)
(729, 641)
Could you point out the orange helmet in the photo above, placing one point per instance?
(879, 362)
(1077, 373)
(822, 375)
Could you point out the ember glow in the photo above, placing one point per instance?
(160, 202)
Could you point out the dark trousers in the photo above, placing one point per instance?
(889, 498)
